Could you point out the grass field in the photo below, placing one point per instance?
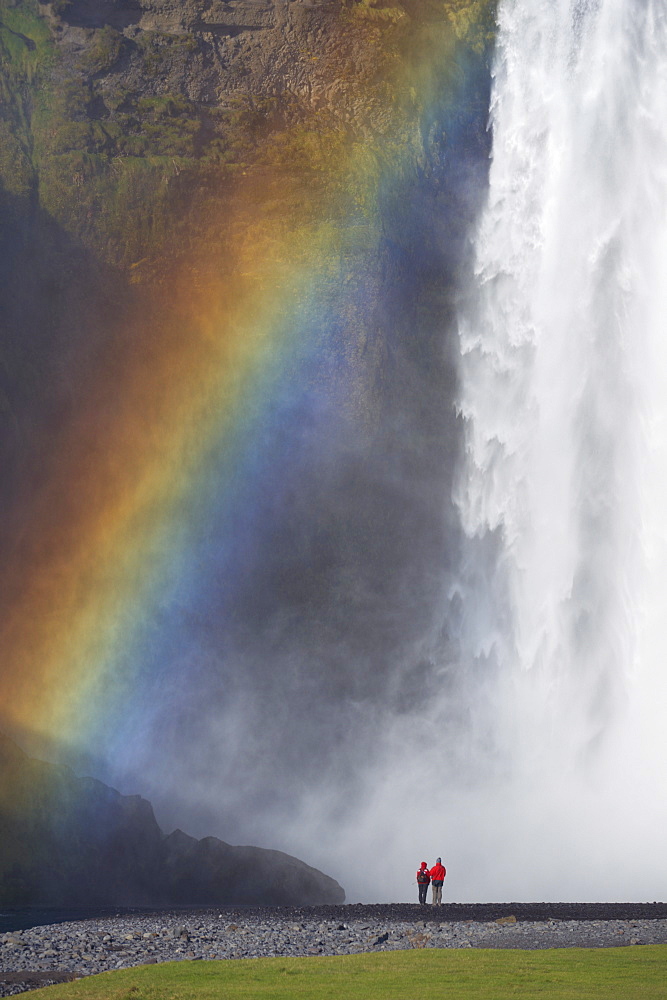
(638, 973)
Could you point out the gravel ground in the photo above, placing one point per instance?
(58, 952)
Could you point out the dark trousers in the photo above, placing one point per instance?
(423, 888)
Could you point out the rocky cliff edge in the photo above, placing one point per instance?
(66, 840)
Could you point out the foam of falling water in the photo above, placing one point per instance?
(563, 488)
(538, 768)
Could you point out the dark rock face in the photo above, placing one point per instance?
(210, 51)
(208, 869)
(66, 840)
(140, 142)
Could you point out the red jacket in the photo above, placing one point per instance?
(438, 873)
(423, 876)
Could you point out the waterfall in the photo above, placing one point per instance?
(523, 739)
(562, 490)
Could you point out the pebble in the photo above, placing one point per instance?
(87, 947)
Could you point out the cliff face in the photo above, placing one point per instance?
(140, 141)
(66, 840)
(207, 870)
(163, 167)
(127, 121)
(211, 53)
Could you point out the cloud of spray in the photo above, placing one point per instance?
(271, 714)
(505, 711)
(559, 790)
(396, 675)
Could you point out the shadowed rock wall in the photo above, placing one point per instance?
(66, 840)
(144, 146)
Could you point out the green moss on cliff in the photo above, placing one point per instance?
(104, 51)
(123, 161)
(26, 53)
(371, 10)
(15, 166)
(160, 51)
(474, 22)
(26, 40)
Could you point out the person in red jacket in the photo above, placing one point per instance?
(423, 879)
(437, 873)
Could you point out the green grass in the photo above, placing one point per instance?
(25, 38)
(636, 973)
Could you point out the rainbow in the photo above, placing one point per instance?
(182, 425)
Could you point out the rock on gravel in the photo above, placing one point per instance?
(59, 952)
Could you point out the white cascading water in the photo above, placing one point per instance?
(562, 491)
(538, 768)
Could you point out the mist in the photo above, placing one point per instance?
(434, 625)
(471, 661)
(270, 709)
